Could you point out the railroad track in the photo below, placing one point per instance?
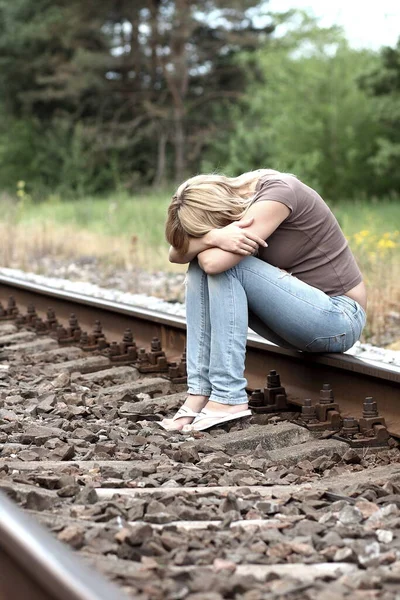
(168, 515)
(33, 565)
(302, 375)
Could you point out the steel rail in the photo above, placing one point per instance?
(35, 566)
(302, 374)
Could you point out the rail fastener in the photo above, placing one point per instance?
(272, 399)
(368, 431)
(11, 312)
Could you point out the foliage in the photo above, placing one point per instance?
(383, 84)
(304, 113)
(118, 90)
(119, 95)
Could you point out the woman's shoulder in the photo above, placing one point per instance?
(276, 187)
(270, 178)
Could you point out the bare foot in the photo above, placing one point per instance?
(226, 408)
(195, 403)
(216, 413)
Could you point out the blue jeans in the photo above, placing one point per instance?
(278, 306)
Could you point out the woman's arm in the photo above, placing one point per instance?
(196, 245)
(267, 216)
(235, 238)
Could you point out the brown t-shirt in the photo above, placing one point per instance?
(309, 243)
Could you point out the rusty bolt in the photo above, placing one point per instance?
(182, 367)
(31, 310)
(40, 325)
(173, 370)
(84, 338)
(257, 398)
(114, 349)
(51, 317)
(273, 380)
(326, 394)
(73, 321)
(11, 303)
(142, 355)
(370, 408)
(97, 328)
(155, 345)
(162, 362)
(128, 337)
(308, 410)
(350, 426)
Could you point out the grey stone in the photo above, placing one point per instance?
(63, 452)
(69, 490)
(332, 539)
(124, 391)
(13, 338)
(87, 364)
(370, 554)
(50, 482)
(82, 433)
(157, 513)
(116, 374)
(268, 507)
(310, 450)
(31, 346)
(384, 536)
(87, 495)
(73, 536)
(271, 437)
(7, 329)
(69, 353)
(46, 404)
(39, 435)
(7, 415)
(350, 515)
(37, 500)
(138, 534)
(17, 399)
(344, 555)
(351, 457)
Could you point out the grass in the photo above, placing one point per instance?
(377, 216)
(373, 231)
(127, 232)
(121, 230)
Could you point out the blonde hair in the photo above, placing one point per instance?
(206, 202)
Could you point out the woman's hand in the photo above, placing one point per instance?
(234, 238)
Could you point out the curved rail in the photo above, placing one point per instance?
(302, 374)
(35, 566)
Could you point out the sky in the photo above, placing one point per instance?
(367, 23)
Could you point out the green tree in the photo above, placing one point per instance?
(128, 84)
(305, 112)
(383, 84)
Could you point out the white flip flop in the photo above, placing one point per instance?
(184, 411)
(213, 418)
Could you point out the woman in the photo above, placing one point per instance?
(302, 290)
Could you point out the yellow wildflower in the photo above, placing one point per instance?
(385, 244)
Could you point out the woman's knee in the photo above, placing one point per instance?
(194, 273)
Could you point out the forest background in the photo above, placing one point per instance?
(106, 105)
